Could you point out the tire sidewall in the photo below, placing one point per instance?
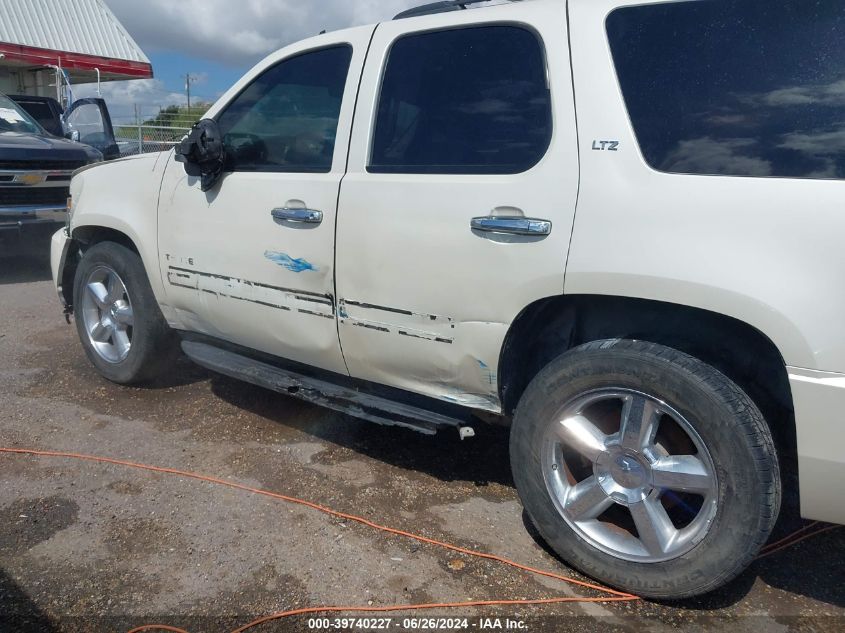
(737, 530)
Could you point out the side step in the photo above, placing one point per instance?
(325, 394)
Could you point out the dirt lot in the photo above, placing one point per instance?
(92, 547)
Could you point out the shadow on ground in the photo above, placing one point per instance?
(481, 460)
(813, 568)
(484, 460)
(24, 259)
(18, 612)
(810, 569)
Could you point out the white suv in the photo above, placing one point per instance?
(616, 223)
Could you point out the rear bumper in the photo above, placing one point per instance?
(819, 399)
(16, 217)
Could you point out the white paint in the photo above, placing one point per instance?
(765, 251)
(229, 232)
(123, 195)
(415, 231)
(819, 399)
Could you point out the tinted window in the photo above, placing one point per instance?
(286, 120)
(466, 101)
(736, 87)
(13, 118)
(43, 113)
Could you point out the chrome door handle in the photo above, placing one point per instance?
(512, 225)
(302, 216)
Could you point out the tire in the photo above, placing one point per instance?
(601, 498)
(117, 316)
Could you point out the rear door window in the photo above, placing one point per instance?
(463, 101)
(735, 87)
(44, 114)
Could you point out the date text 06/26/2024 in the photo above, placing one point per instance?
(416, 624)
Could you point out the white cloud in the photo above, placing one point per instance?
(789, 97)
(832, 94)
(717, 156)
(122, 98)
(818, 143)
(727, 119)
(239, 33)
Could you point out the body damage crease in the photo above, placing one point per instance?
(279, 298)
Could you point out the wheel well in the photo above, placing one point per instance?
(552, 326)
(85, 237)
(90, 235)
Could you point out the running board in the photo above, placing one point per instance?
(320, 392)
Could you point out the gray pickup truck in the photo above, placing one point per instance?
(35, 170)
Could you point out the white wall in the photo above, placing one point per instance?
(8, 81)
(31, 82)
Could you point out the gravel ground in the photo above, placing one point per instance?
(92, 547)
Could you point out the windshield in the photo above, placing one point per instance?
(14, 119)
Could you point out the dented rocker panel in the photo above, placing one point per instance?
(338, 394)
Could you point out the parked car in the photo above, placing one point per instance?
(617, 222)
(86, 120)
(35, 170)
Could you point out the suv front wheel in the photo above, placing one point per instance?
(118, 319)
(645, 468)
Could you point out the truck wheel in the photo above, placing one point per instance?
(117, 317)
(645, 468)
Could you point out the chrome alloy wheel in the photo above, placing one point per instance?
(107, 314)
(630, 475)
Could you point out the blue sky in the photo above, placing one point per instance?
(212, 78)
(217, 41)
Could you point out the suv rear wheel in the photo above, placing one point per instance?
(645, 468)
(117, 317)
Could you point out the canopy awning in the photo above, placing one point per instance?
(79, 36)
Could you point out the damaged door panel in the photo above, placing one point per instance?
(426, 327)
(455, 373)
(233, 266)
(222, 287)
(462, 125)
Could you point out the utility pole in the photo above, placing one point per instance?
(140, 131)
(188, 81)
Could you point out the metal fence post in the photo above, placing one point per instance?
(140, 141)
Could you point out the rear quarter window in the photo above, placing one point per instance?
(735, 87)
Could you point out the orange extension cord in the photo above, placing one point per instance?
(612, 595)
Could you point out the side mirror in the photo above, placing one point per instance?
(203, 153)
(73, 135)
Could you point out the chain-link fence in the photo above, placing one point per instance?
(139, 139)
